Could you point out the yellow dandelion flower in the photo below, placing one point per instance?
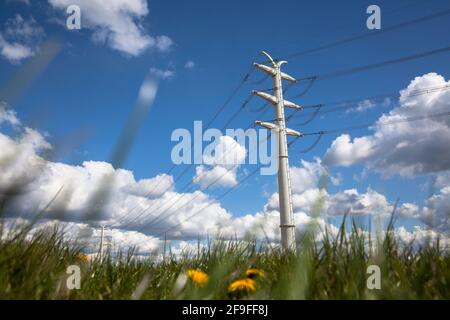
(242, 285)
(254, 273)
(199, 278)
(83, 258)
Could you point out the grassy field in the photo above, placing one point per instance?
(35, 268)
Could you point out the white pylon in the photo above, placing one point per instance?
(105, 243)
(287, 225)
(102, 235)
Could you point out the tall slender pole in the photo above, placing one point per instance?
(165, 243)
(287, 225)
(284, 184)
(101, 243)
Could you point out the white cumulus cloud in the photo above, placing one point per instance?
(118, 24)
(404, 148)
(8, 115)
(141, 212)
(20, 39)
(222, 165)
(162, 74)
(189, 64)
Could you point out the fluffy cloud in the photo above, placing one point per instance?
(348, 201)
(353, 203)
(216, 177)
(308, 198)
(8, 115)
(118, 24)
(307, 175)
(309, 183)
(435, 213)
(68, 193)
(222, 165)
(141, 212)
(190, 64)
(135, 210)
(421, 237)
(367, 104)
(162, 74)
(266, 225)
(20, 39)
(88, 237)
(18, 160)
(405, 148)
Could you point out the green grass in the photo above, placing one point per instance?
(35, 268)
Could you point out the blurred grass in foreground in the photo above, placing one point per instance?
(34, 267)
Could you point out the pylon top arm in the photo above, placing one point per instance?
(270, 58)
(270, 71)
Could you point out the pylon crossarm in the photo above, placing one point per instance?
(292, 105)
(270, 71)
(271, 99)
(267, 125)
(287, 77)
(294, 133)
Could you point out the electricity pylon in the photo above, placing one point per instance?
(287, 225)
(105, 241)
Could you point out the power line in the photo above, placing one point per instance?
(211, 202)
(320, 134)
(386, 11)
(353, 70)
(182, 195)
(309, 86)
(231, 96)
(386, 123)
(264, 109)
(339, 73)
(364, 35)
(348, 71)
(312, 146)
(358, 127)
(349, 104)
(220, 110)
(190, 183)
(383, 64)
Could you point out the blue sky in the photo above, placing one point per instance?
(93, 87)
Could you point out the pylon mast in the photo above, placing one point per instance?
(287, 225)
(102, 235)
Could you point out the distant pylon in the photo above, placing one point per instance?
(103, 243)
